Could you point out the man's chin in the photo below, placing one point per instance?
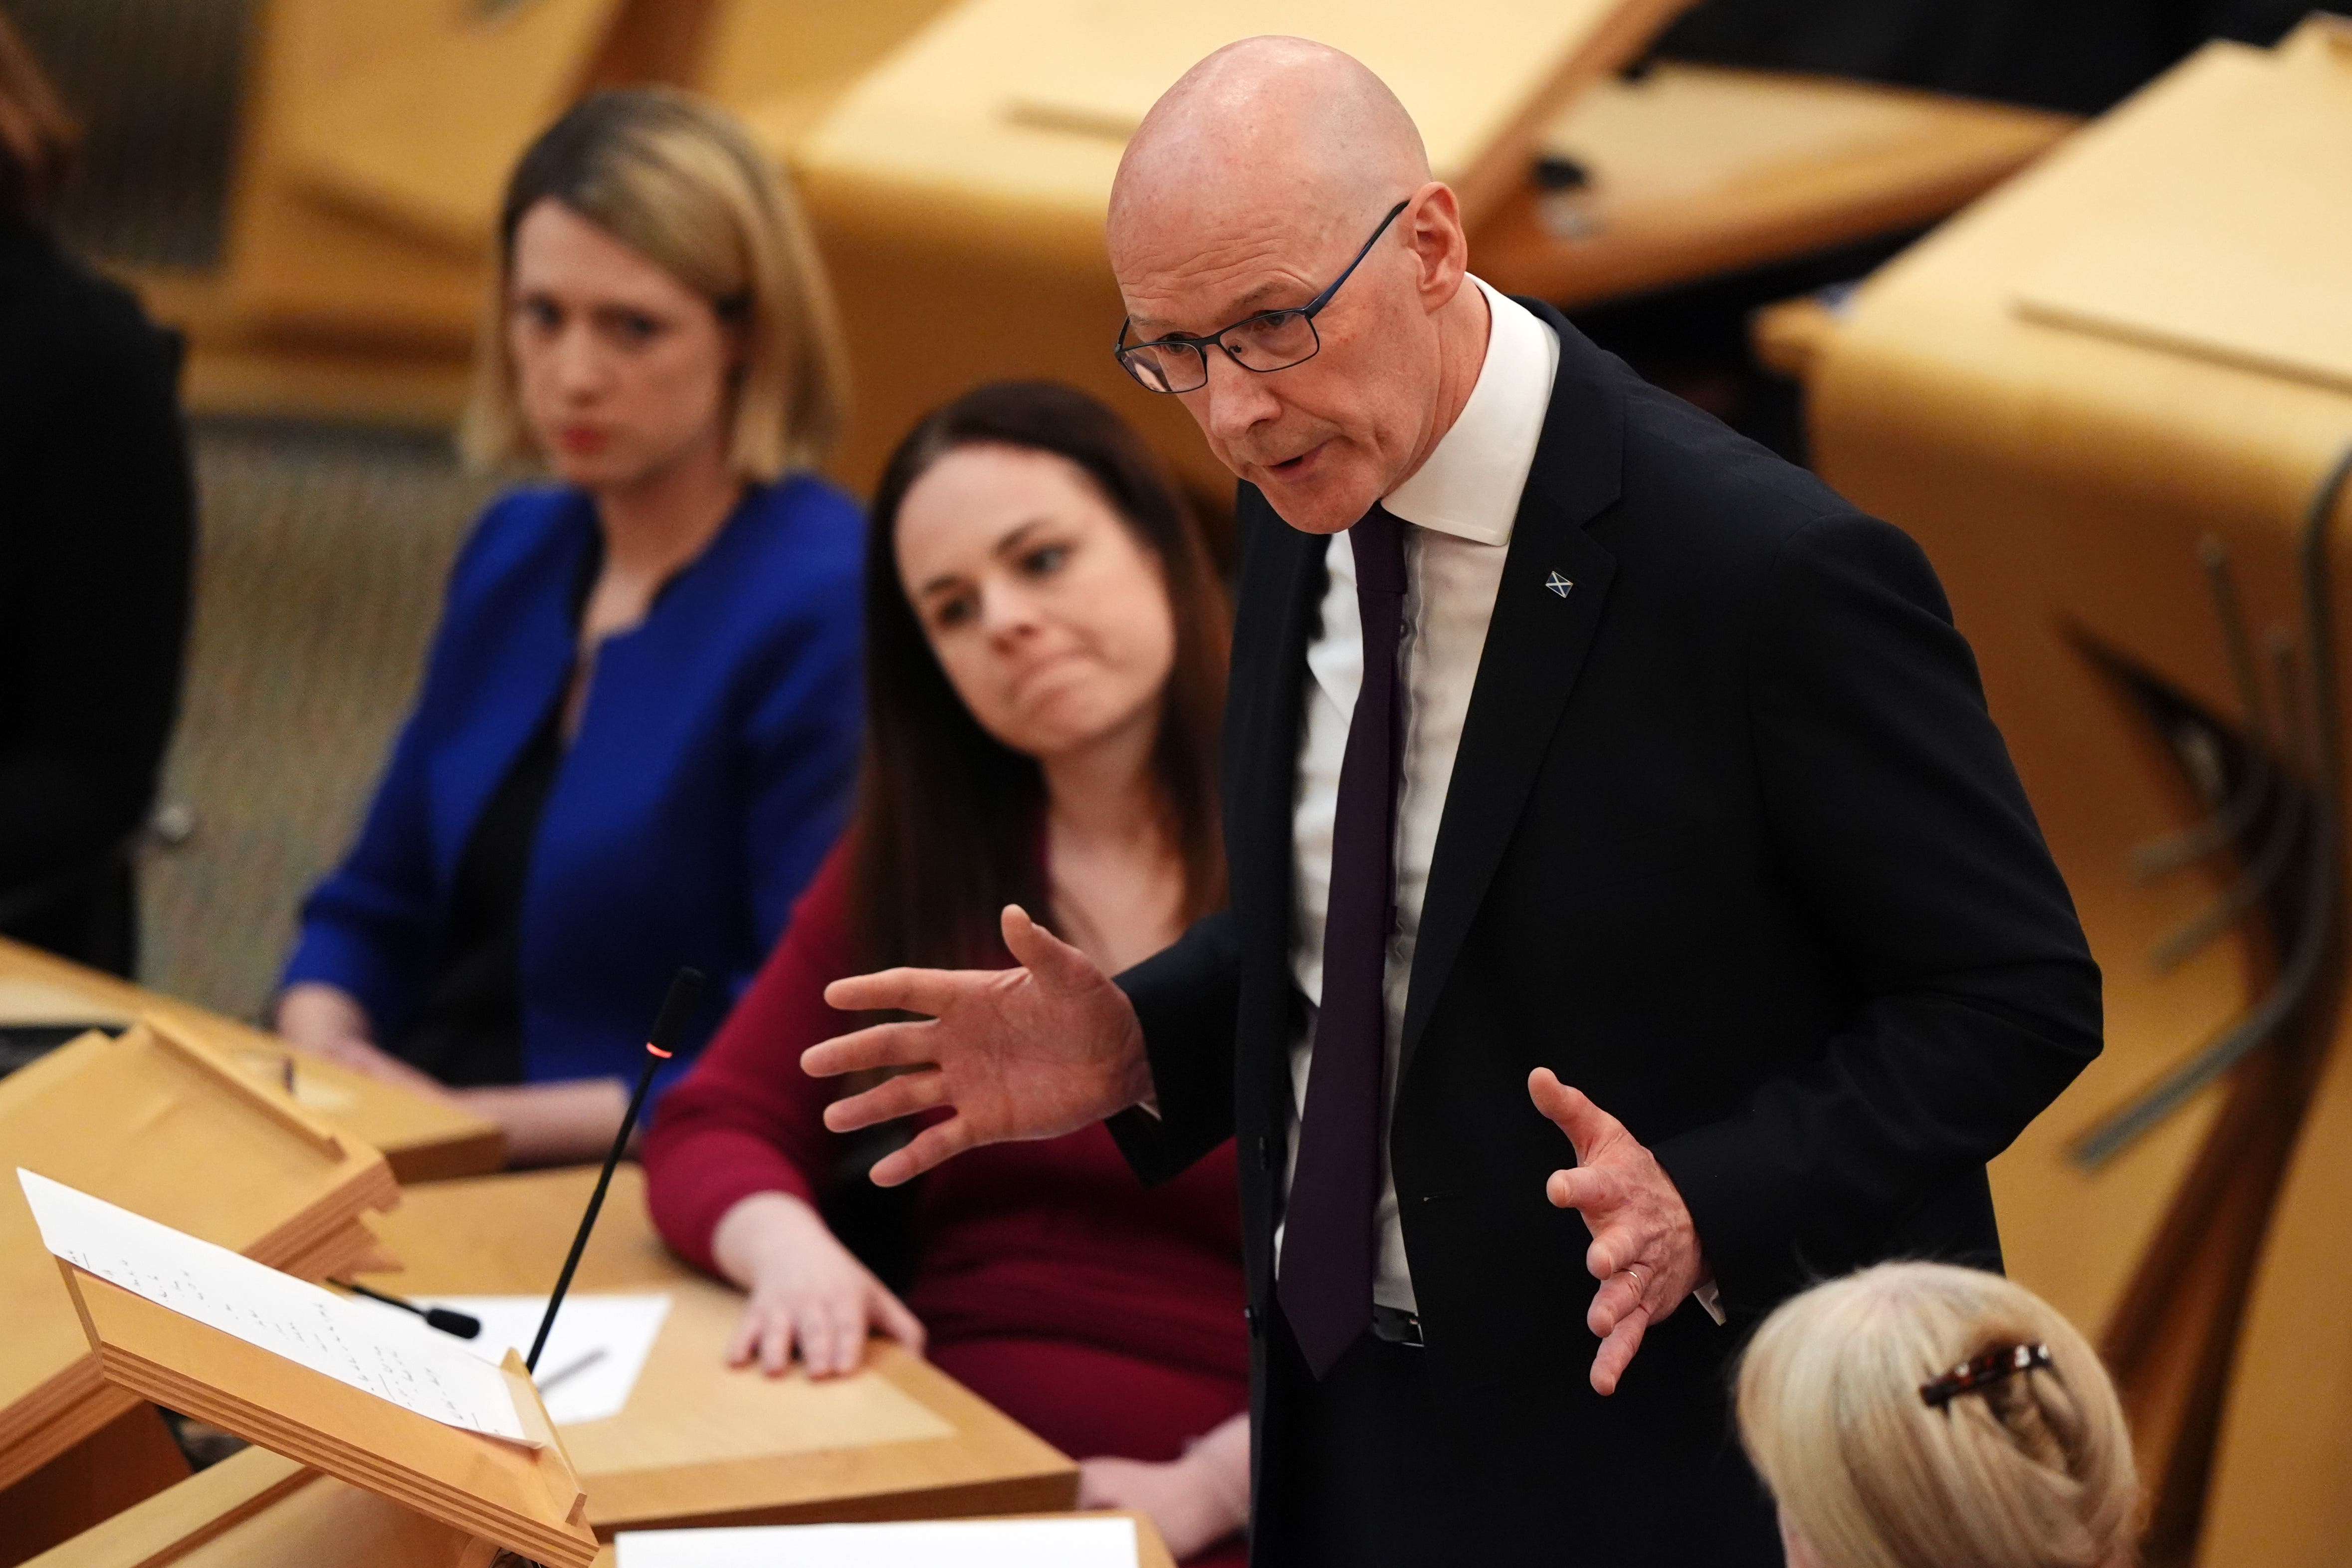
(1317, 508)
(1323, 501)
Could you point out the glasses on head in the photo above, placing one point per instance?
(1270, 340)
(1976, 1376)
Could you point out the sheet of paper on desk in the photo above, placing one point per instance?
(940, 1544)
(593, 1357)
(404, 1362)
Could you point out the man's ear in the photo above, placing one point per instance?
(1437, 239)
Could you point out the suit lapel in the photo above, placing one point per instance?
(1281, 591)
(1548, 609)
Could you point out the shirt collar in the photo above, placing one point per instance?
(1470, 485)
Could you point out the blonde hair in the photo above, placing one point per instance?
(676, 180)
(2033, 1471)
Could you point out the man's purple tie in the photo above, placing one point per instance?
(1328, 1244)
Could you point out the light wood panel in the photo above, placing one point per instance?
(422, 1140)
(376, 142)
(701, 1444)
(2073, 488)
(1694, 170)
(526, 1499)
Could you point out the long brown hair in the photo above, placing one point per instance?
(948, 818)
(38, 137)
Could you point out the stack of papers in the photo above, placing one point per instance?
(1076, 1542)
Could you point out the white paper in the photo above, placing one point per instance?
(406, 1364)
(605, 1337)
(945, 1543)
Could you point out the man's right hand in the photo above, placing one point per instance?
(1032, 1052)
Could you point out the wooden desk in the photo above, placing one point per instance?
(700, 1444)
(422, 1139)
(1696, 170)
(373, 151)
(2099, 398)
(258, 1511)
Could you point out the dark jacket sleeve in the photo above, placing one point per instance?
(1890, 801)
(1187, 998)
(94, 572)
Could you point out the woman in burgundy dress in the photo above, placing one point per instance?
(1045, 647)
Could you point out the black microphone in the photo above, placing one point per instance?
(465, 1325)
(685, 993)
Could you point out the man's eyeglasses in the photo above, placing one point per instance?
(1271, 339)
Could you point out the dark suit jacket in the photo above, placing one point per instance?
(1733, 846)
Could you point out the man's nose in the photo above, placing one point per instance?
(1233, 400)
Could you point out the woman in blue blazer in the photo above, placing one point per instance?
(639, 720)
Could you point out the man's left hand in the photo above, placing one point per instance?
(1644, 1247)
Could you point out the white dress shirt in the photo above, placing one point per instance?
(1462, 503)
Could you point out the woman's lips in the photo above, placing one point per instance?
(582, 441)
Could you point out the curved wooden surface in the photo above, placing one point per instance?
(2071, 485)
(1693, 170)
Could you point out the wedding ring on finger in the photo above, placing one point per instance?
(1639, 1288)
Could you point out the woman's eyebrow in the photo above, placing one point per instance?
(1011, 544)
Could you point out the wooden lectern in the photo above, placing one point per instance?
(158, 1121)
(422, 1140)
(2113, 401)
(464, 1497)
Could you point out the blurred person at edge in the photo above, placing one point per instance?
(1045, 650)
(96, 531)
(1883, 1452)
(638, 722)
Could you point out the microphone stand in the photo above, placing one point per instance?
(684, 992)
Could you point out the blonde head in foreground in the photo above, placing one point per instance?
(2032, 1471)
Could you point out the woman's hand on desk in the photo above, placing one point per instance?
(1194, 1502)
(809, 1293)
(326, 1021)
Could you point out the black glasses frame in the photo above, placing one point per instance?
(1122, 349)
